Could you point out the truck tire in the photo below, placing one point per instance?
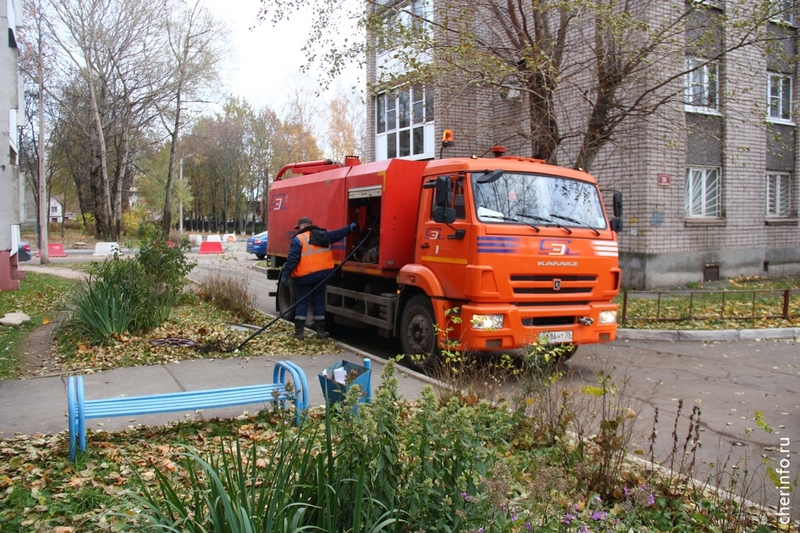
(284, 298)
(418, 337)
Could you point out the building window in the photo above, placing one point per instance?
(411, 16)
(703, 189)
(779, 96)
(701, 83)
(404, 123)
(779, 193)
(782, 11)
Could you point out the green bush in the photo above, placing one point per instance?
(98, 310)
(377, 468)
(128, 295)
(166, 266)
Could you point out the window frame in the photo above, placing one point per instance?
(775, 209)
(403, 16)
(405, 117)
(785, 14)
(781, 98)
(689, 191)
(708, 101)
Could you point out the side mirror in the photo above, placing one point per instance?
(442, 211)
(616, 225)
(444, 191)
(445, 215)
(617, 202)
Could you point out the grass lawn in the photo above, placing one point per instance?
(38, 297)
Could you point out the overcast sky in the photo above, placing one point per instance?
(267, 59)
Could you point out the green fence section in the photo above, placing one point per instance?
(676, 306)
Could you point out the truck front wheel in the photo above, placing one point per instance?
(418, 333)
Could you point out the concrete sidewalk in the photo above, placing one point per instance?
(39, 405)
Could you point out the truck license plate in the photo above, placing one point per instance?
(557, 336)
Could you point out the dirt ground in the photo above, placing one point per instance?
(38, 357)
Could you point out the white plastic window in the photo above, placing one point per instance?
(703, 190)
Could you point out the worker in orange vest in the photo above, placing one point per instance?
(308, 264)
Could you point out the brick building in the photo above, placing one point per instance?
(709, 178)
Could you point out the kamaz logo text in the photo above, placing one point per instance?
(550, 247)
(557, 263)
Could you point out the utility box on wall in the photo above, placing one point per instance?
(711, 272)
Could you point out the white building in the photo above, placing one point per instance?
(10, 109)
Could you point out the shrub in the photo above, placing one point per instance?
(132, 220)
(98, 310)
(128, 295)
(229, 291)
(166, 266)
(378, 468)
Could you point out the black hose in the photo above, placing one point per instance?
(321, 283)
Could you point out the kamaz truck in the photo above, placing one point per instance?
(469, 254)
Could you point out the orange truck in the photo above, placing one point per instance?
(469, 254)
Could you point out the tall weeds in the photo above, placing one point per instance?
(230, 291)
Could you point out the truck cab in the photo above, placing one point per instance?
(511, 252)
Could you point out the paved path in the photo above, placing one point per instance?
(39, 405)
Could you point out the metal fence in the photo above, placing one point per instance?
(676, 306)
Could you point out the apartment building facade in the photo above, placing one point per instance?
(709, 177)
(10, 98)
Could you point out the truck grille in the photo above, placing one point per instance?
(546, 284)
(545, 321)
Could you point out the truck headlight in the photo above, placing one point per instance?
(487, 321)
(608, 317)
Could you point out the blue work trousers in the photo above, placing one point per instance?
(303, 286)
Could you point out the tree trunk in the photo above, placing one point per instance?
(544, 124)
(104, 205)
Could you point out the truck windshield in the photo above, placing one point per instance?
(543, 200)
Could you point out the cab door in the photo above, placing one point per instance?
(445, 247)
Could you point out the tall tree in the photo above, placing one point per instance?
(110, 45)
(194, 54)
(618, 59)
(345, 129)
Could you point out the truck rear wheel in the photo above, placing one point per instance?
(284, 298)
(418, 333)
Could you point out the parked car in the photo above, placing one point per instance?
(257, 244)
(24, 251)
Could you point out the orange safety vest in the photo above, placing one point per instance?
(312, 258)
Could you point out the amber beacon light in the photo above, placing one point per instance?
(448, 139)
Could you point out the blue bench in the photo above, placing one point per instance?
(278, 392)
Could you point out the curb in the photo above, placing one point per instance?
(707, 335)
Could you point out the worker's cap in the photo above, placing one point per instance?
(304, 220)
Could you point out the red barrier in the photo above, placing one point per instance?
(54, 249)
(210, 248)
